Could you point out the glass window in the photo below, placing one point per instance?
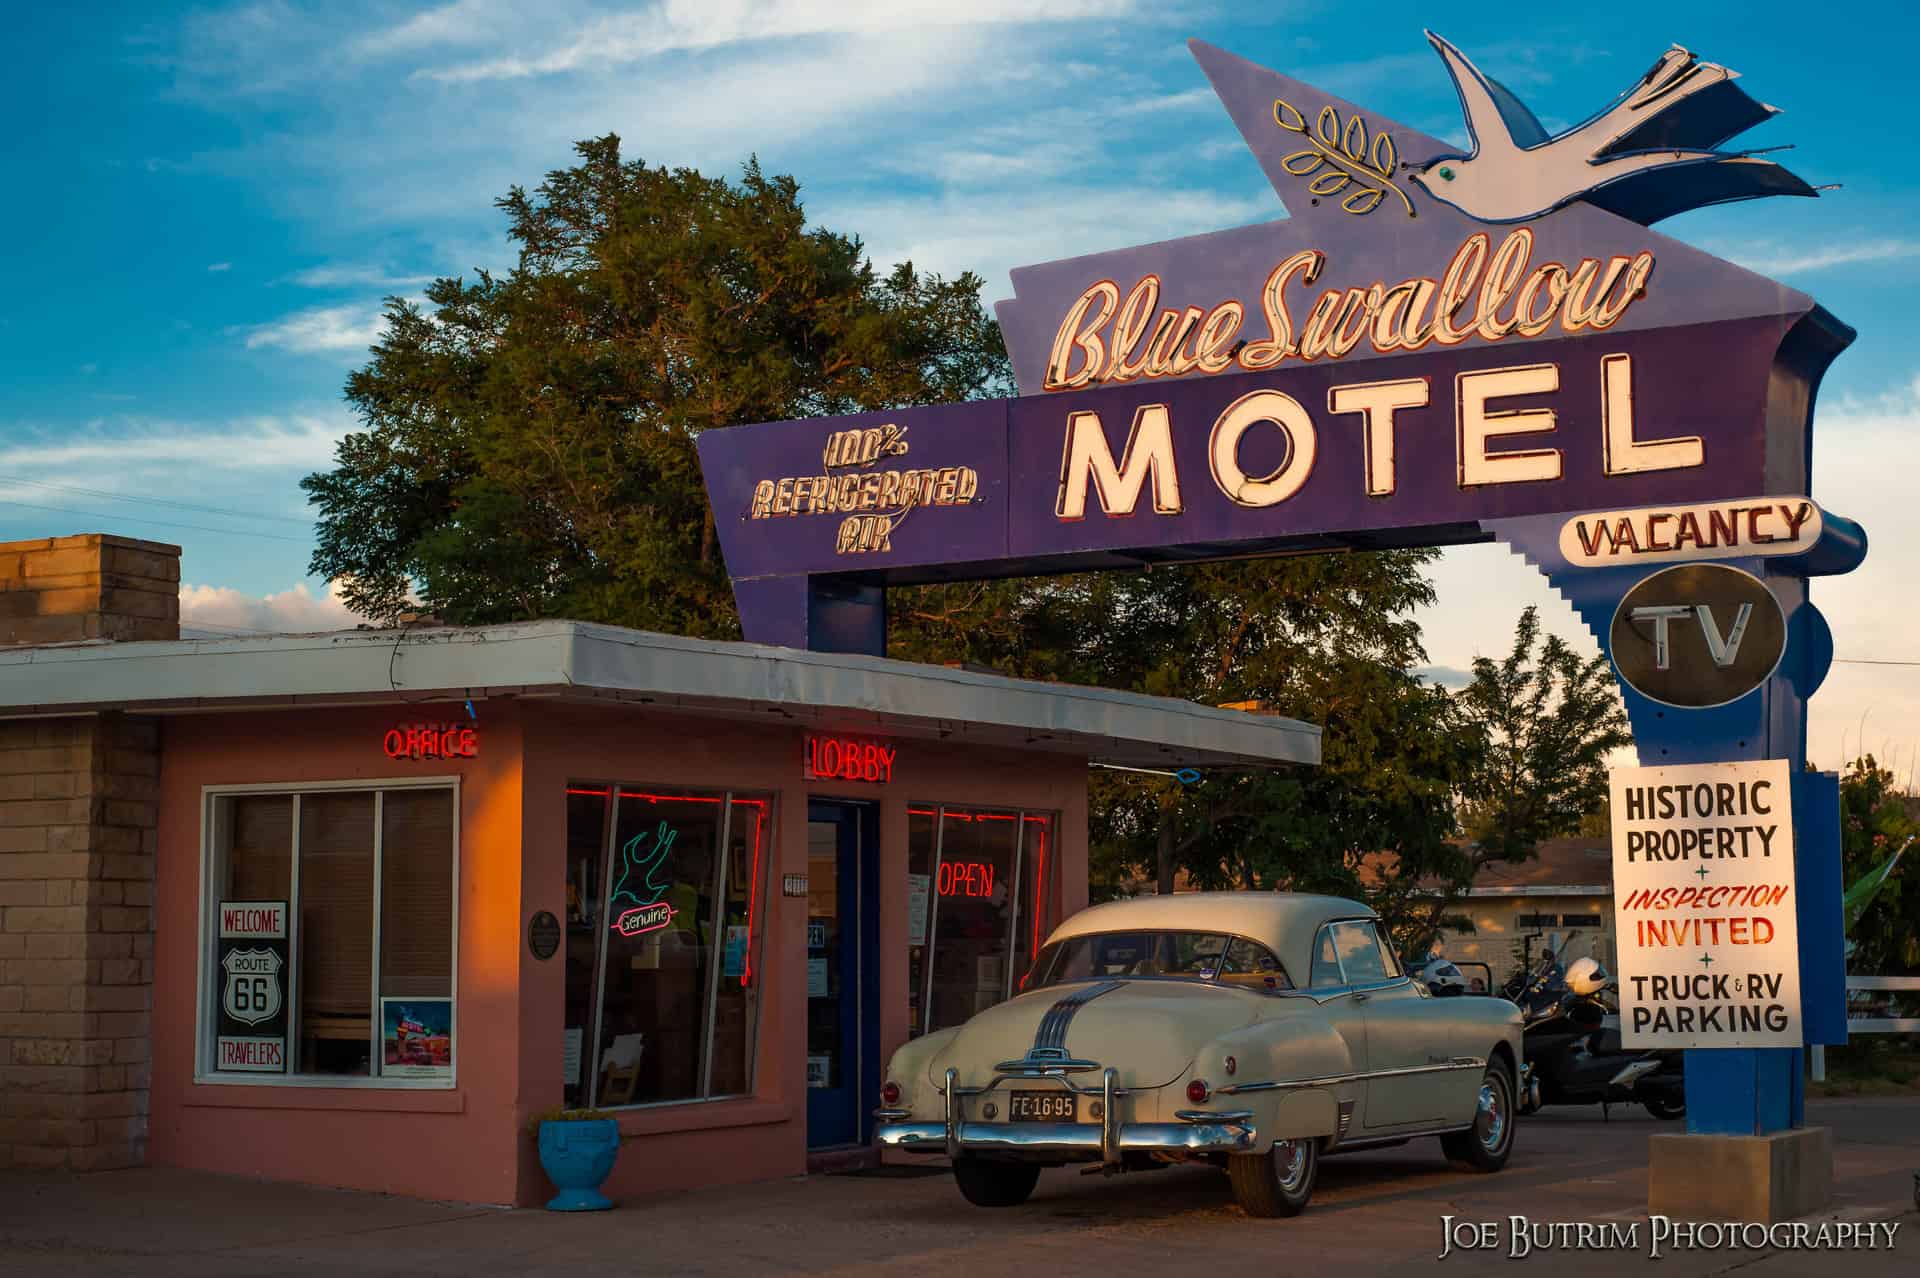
(1252, 965)
(663, 900)
(1326, 962)
(587, 810)
(980, 899)
(1360, 956)
(331, 934)
(1189, 955)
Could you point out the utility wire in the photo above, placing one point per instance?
(1867, 661)
(153, 501)
(158, 523)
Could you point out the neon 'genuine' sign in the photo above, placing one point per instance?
(642, 858)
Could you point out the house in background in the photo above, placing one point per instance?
(1565, 894)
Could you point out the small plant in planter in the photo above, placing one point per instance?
(577, 1149)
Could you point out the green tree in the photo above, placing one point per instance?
(1550, 720)
(1875, 819)
(528, 442)
(1324, 638)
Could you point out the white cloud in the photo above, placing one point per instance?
(217, 267)
(320, 329)
(991, 232)
(343, 275)
(224, 610)
(678, 26)
(1774, 258)
(125, 452)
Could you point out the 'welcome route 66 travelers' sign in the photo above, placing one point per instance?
(252, 1032)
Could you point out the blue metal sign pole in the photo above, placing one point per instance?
(1750, 1092)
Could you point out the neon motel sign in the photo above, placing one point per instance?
(1433, 348)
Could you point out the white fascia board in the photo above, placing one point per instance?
(573, 658)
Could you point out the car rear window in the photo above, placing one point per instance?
(1197, 956)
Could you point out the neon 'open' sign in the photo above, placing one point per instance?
(966, 878)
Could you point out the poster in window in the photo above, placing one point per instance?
(919, 888)
(251, 965)
(416, 1038)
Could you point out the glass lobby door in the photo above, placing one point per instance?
(842, 1006)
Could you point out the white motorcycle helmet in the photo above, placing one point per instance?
(1586, 976)
(1442, 977)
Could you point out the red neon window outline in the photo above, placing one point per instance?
(753, 890)
(1039, 891)
(597, 794)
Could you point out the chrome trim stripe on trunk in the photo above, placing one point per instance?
(1051, 1036)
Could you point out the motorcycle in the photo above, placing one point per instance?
(1573, 1053)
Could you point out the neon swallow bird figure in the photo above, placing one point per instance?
(1648, 155)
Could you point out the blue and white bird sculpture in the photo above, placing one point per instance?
(1648, 155)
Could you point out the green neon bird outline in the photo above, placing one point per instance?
(662, 844)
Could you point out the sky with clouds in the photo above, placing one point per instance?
(217, 198)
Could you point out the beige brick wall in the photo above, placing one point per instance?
(79, 806)
(93, 586)
(78, 813)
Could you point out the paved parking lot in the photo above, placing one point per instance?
(1375, 1213)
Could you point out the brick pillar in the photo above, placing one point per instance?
(94, 586)
(78, 820)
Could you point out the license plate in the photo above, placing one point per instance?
(1041, 1107)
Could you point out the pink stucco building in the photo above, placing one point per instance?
(386, 896)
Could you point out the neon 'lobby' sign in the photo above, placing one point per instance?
(846, 759)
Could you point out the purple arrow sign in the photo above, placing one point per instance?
(1385, 367)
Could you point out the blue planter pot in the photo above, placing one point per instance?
(577, 1157)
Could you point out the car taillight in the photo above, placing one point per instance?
(1198, 1090)
(890, 1093)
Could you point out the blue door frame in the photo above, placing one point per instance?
(849, 1027)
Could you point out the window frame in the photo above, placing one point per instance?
(205, 987)
(596, 991)
(1347, 984)
(1229, 937)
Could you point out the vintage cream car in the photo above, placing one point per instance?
(1250, 1030)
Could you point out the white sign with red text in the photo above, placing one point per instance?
(1704, 906)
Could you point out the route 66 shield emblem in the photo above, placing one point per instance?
(252, 991)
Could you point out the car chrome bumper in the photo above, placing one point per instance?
(1075, 1142)
(1106, 1141)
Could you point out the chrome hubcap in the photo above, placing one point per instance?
(1490, 1122)
(1290, 1163)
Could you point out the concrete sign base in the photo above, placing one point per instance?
(1778, 1176)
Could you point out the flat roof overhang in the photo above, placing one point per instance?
(583, 662)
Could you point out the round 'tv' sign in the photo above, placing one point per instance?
(1697, 636)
